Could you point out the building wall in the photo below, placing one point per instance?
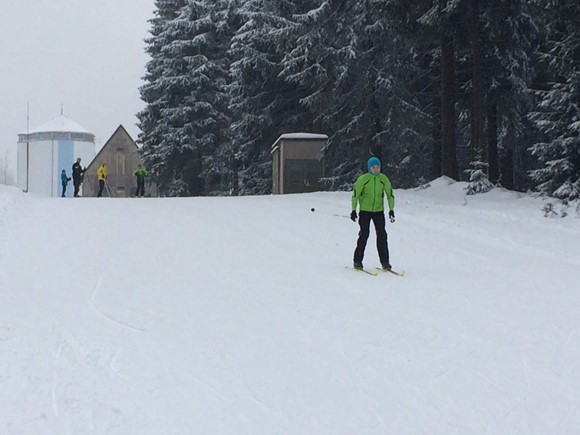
(21, 165)
(40, 167)
(296, 150)
(65, 155)
(302, 149)
(46, 160)
(276, 187)
(121, 156)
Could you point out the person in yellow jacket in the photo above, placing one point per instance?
(101, 176)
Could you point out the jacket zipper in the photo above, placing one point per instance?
(374, 192)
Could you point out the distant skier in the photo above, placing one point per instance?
(369, 190)
(140, 173)
(102, 177)
(64, 180)
(77, 175)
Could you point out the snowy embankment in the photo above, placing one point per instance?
(238, 316)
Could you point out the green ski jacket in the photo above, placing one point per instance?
(369, 190)
(140, 174)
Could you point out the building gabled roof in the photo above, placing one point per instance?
(120, 129)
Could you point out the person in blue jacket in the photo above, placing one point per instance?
(64, 180)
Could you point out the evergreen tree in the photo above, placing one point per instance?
(557, 113)
(510, 38)
(192, 115)
(212, 27)
(442, 21)
(263, 104)
(219, 165)
(418, 83)
(485, 71)
(154, 91)
(496, 89)
(353, 69)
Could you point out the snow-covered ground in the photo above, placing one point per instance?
(238, 316)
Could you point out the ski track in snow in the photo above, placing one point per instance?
(108, 317)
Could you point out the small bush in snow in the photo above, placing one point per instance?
(548, 210)
(561, 208)
(478, 181)
(423, 184)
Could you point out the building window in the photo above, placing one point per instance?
(121, 164)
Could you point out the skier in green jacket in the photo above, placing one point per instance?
(140, 173)
(369, 191)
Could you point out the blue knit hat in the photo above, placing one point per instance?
(373, 161)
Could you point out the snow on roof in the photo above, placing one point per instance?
(307, 136)
(303, 136)
(59, 124)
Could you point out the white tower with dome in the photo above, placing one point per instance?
(45, 151)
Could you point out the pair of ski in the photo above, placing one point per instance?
(379, 270)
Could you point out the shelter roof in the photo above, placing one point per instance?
(300, 136)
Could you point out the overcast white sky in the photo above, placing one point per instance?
(86, 54)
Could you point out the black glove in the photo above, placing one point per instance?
(353, 216)
(392, 215)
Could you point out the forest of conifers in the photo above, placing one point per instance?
(431, 87)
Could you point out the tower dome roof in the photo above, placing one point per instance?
(60, 124)
(59, 128)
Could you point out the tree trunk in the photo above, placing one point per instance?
(437, 147)
(448, 145)
(376, 148)
(507, 173)
(492, 154)
(477, 82)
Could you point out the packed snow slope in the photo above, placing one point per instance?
(238, 316)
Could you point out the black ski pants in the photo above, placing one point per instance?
(140, 188)
(364, 221)
(101, 187)
(77, 184)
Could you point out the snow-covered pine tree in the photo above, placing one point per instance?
(153, 92)
(486, 46)
(191, 111)
(478, 178)
(179, 148)
(509, 38)
(319, 62)
(441, 22)
(557, 113)
(213, 26)
(354, 72)
(494, 90)
(263, 104)
(220, 166)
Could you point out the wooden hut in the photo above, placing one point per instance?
(296, 163)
